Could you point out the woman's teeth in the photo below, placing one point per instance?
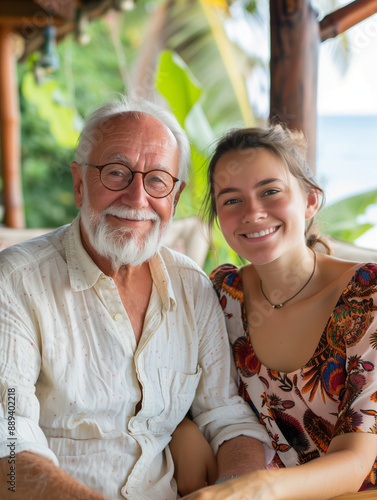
(261, 233)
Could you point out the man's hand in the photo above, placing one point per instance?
(37, 478)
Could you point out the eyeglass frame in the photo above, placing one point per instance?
(133, 172)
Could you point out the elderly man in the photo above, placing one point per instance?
(107, 338)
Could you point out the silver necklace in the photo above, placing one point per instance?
(279, 306)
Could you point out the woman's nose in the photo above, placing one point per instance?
(254, 211)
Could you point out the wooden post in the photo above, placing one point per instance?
(10, 132)
(344, 18)
(294, 66)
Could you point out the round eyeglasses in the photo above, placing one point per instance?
(117, 176)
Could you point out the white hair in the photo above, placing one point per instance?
(95, 128)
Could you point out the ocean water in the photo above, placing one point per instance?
(347, 162)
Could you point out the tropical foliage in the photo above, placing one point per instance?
(187, 28)
(177, 48)
(343, 220)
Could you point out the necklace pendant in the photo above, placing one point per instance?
(279, 306)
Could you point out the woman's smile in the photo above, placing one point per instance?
(260, 234)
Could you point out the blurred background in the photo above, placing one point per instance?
(209, 60)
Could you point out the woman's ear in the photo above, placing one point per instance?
(313, 202)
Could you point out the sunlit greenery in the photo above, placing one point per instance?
(341, 220)
(193, 69)
(81, 83)
(91, 74)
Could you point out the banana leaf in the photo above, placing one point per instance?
(50, 104)
(341, 220)
(179, 87)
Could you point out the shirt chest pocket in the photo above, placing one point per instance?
(176, 391)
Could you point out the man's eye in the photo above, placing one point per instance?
(116, 173)
(155, 179)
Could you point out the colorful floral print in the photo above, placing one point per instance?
(334, 393)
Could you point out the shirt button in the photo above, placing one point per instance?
(118, 317)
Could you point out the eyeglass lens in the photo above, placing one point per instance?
(157, 183)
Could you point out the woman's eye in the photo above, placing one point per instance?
(232, 201)
(270, 191)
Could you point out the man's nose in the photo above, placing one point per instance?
(135, 194)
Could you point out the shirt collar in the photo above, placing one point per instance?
(84, 273)
(162, 282)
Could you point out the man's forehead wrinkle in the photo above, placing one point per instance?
(139, 135)
(131, 122)
(126, 161)
(132, 151)
(132, 140)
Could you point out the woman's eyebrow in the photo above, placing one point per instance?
(228, 190)
(261, 183)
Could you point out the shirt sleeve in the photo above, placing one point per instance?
(20, 362)
(355, 324)
(217, 408)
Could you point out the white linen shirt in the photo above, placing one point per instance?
(68, 351)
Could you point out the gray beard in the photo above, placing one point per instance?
(123, 246)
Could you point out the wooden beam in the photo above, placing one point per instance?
(24, 24)
(293, 68)
(38, 9)
(342, 19)
(10, 133)
(65, 10)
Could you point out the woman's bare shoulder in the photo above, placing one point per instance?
(335, 270)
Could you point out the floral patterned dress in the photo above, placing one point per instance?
(333, 394)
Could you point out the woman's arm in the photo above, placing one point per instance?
(348, 461)
(194, 460)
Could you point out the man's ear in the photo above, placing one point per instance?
(313, 202)
(177, 195)
(78, 183)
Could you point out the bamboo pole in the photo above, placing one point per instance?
(10, 132)
(342, 19)
(294, 67)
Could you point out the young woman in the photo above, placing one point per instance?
(302, 324)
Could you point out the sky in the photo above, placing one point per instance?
(353, 91)
(342, 88)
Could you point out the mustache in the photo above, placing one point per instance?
(131, 214)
